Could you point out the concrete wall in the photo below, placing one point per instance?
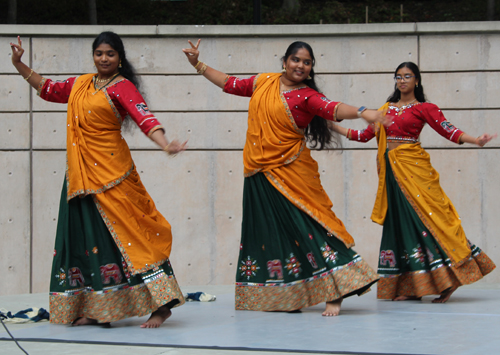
(200, 191)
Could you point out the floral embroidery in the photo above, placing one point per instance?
(61, 276)
(249, 268)
(328, 254)
(293, 265)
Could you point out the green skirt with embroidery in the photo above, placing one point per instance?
(288, 261)
(411, 262)
(89, 276)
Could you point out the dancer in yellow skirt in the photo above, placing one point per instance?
(111, 256)
(424, 250)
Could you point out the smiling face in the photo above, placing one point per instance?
(408, 82)
(106, 60)
(298, 66)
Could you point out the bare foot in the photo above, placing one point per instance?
(407, 298)
(158, 317)
(445, 295)
(84, 321)
(332, 308)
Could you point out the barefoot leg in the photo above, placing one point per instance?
(158, 317)
(445, 295)
(407, 298)
(332, 308)
(84, 321)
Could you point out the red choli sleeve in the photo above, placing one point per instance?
(55, 91)
(362, 136)
(129, 101)
(319, 105)
(240, 87)
(431, 114)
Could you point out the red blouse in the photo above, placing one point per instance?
(123, 95)
(407, 124)
(304, 102)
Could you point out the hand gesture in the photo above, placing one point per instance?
(192, 53)
(175, 147)
(17, 50)
(372, 116)
(485, 138)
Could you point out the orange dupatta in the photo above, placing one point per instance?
(419, 182)
(98, 158)
(277, 147)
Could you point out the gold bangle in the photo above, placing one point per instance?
(166, 150)
(29, 76)
(196, 66)
(202, 69)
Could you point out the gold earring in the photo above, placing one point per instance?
(283, 70)
(309, 77)
(120, 65)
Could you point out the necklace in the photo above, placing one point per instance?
(285, 88)
(106, 81)
(402, 107)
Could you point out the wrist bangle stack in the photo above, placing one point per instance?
(197, 64)
(29, 76)
(202, 69)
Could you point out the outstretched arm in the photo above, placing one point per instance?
(336, 128)
(172, 148)
(27, 73)
(215, 76)
(479, 141)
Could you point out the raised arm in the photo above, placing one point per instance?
(27, 73)
(215, 76)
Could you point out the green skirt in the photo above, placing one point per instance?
(411, 262)
(288, 261)
(89, 275)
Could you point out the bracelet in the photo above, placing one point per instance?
(360, 111)
(202, 69)
(166, 150)
(196, 66)
(29, 76)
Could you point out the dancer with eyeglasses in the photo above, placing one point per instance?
(424, 250)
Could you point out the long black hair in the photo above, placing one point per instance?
(126, 70)
(317, 132)
(419, 90)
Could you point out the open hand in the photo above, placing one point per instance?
(17, 50)
(175, 147)
(372, 116)
(192, 53)
(485, 138)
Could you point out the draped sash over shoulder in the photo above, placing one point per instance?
(98, 157)
(276, 147)
(419, 182)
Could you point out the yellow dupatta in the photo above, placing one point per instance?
(419, 182)
(98, 158)
(277, 147)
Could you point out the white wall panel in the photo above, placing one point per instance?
(15, 240)
(14, 131)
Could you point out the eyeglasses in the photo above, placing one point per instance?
(407, 77)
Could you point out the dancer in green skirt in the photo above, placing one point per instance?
(424, 250)
(294, 251)
(111, 256)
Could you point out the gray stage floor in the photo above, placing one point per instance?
(468, 324)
